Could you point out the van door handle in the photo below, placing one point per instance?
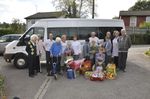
(14, 47)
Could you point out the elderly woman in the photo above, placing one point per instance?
(108, 48)
(76, 47)
(56, 51)
(31, 50)
(93, 38)
(115, 47)
(40, 52)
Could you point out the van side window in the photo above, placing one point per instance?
(81, 32)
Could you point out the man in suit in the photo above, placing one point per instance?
(31, 50)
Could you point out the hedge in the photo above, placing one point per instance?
(148, 52)
(6, 31)
(140, 38)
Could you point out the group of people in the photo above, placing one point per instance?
(115, 45)
(114, 49)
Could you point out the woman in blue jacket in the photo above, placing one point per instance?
(56, 51)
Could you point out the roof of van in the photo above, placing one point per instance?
(79, 22)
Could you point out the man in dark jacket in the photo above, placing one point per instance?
(124, 43)
(31, 50)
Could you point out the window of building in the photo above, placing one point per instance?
(148, 19)
(133, 21)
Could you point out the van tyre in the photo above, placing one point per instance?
(20, 61)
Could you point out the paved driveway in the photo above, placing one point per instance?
(134, 84)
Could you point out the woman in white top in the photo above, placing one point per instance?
(76, 47)
(93, 38)
(64, 46)
(115, 47)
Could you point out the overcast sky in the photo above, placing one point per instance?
(9, 9)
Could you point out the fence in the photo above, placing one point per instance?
(135, 30)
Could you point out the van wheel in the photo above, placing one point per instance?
(20, 61)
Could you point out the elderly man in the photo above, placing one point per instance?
(93, 38)
(31, 50)
(124, 43)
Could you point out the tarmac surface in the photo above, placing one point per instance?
(133, 84)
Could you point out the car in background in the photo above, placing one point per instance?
(5, 39)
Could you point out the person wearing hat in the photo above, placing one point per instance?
(56, 51)
(31, 50)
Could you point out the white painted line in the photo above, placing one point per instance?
(43, 88)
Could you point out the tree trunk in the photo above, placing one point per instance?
(80, 7)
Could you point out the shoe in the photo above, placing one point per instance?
(55, 76)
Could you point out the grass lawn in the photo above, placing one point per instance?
(148, 52)
(2, 88)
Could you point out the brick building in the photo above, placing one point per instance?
(134, 18)
(30, 20)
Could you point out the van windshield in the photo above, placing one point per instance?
(36, 30)
(39, 31)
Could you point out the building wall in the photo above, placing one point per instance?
(126, 20)
(140, 20)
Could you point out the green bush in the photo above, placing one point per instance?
(6, 31)
(147, 53)
(140, 38)
(147, 37)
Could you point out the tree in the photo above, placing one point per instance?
(74, 8)
(145, 25)
(17, 26)
(141, 5)
(4, 25)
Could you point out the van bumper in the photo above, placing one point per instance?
(8, 57)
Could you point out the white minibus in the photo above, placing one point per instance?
(81, 27)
